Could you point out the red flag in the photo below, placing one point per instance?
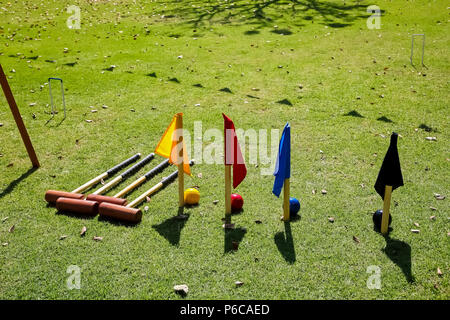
(233, 155)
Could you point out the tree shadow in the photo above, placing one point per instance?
(15, 182)
(400, 253)
(171, 228)
(233, 235)
(259, 14)
(285, 243)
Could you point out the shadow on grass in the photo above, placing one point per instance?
(423, 126)
(15, 182)
(285, 243)
(118, 222)
(171, 228)
(385, 119)
(260, 14)
(400, 253)
(74, 215)
(285, 102)
(233, 235)
(353, 113)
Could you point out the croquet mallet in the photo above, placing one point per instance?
(52, 195)
(90, 207)
(129, 213)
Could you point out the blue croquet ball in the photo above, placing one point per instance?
(294, 206)
(377, 218)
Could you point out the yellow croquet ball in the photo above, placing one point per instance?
(191, 196)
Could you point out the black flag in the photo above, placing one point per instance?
(390, 173)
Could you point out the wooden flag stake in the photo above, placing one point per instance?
(180, 166)
(18, 118)
(286, 197)
(227, 194)
(386, 207)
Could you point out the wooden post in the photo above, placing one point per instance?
(286, 197)
(227, 194)
(386, 206)
(180, 165)
(18, 118)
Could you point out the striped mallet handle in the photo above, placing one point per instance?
(153, 190)
(125, 174)
(108, 173)
(159, 168)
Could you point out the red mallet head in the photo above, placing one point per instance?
(236, 202)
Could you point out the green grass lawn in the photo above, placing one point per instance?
(349, 87)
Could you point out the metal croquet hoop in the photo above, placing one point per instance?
(412, 47)
(51, 96)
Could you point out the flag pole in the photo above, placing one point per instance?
(286, 198)
(227, 194)
(386, 206)
(180, 165)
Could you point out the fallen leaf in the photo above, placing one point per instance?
(356, 239)
(12, 228)
(439, 197)
(416, 224)
(98, 238)
(83, 231)
(4, 219)
(181, 289)
(4, 244)
(439, 272)
(313, 191)
(62, 237)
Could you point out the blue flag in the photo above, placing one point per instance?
(283, 166)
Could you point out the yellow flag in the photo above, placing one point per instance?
(168, 146)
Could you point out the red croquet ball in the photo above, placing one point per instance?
(236, 202)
